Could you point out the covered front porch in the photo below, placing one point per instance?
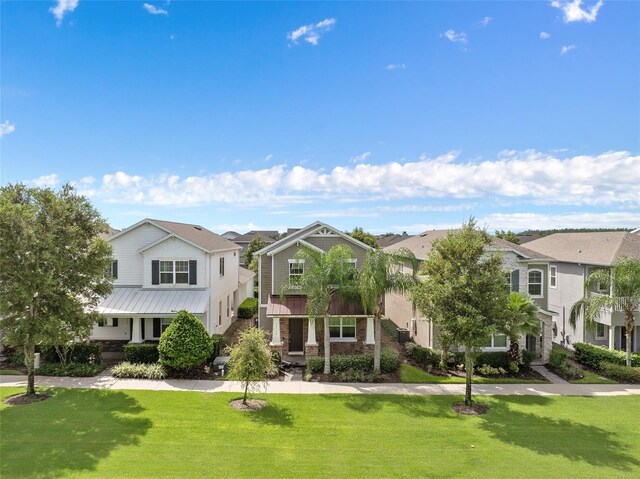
(295, 334)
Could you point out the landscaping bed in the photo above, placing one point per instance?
(411, 373)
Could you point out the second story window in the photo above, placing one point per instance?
(222, 266)
(174, 272)
(553, 276)
(535, 283)
(114, 269)
(296, 269)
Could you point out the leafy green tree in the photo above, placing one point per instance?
(364, 237)
(53, 268)
(521, 318)
(250, 360)
(326, 274)
(464, 291)
(624, 283)
(380, 275)
(254, 245)
(509, 236)
(185, 343)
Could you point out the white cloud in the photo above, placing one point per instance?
(360, 158)
(566, 49)
(311, 33)
(396, 66)
(6, 128)
(153, 10)
(573, 11)
(610, 178)
(45, 181)
(269, 157)
(455, 37)
(62, 8)
(545, 35)
(485, 21)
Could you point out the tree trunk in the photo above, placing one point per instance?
(327, 346)
(377, 344)
(514, 353)
(29, 358)
(444, 352)
(468, 365)
(628, 328)
(246, 391)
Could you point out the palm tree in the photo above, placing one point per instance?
(326, 274)
(521, 318)
(380, 275)
(624, 283)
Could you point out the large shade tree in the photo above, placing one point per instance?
(623, 280)
(53, 267)
(464, 291)
(521, 318)
(381, 274)
(326, 275)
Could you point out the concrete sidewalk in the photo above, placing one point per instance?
(301, 387)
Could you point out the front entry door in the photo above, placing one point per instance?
(296, 340)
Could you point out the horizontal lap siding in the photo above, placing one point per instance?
(328, 242)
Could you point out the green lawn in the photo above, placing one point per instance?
(592, 378)
(413, 375)
(10, 372)
(95, 433)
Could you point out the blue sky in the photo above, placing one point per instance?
(391, 116)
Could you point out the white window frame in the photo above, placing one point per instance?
(221, 266)
(541, 283)
(553, 277)
(604, 331)
(509, 276)
(342, 338)
(174, 271)
(107, 322)
(493, 347)
(295, 275)
(164, 324)
(401, 267)
(228, 305)
(220, 313)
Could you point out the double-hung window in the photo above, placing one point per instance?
(219, 313)
(164, 324)
(222, 266)
(496, 341)
(507, 276)
(174, 272)
(108, 322)
(535, 283)
(601, 331)
(342, 329)
(296, 269)
(553, 276)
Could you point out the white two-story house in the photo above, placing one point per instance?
(162, 267)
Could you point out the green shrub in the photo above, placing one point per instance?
(79, 353)
(69, 369)
(620, 373)
(424, 357)
(17, 358)
(593, 356)
(185, 343)
(139, 370)
(487, 370)
(570, 370)
(498, 359)
(276, 357)
(527, 358)
(216, 339)
(355, 362)
(146, 353)
(248, 308)
(557, 357)
(359, 376)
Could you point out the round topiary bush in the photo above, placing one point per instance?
(185, 343)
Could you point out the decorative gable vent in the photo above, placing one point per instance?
(324, 232)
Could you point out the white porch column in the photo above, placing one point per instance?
(611, 336)
(311, 333)
(275, 333)
(136, 332)
(370, 338)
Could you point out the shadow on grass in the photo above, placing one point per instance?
(70, 432)
(272, 414)
(560, 437)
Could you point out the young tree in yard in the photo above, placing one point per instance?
(53, 268)
(364, 237)
(250, 360)
(521, 318)
(624, 283)
(254, 245)
(464, 291)
(380, 275)
(325, 275)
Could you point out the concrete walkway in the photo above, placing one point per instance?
(301, 387)
(548, 375)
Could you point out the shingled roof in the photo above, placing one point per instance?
(198, 235)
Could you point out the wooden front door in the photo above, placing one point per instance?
(296, 339)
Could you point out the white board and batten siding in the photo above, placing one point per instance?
(126, 251)
(221, 288)
(173, 249)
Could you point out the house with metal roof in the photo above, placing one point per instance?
(162, 267)
(525, 271)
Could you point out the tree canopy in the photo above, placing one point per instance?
(53, 267)
(254, 245)
(366, 238)
(509, 236)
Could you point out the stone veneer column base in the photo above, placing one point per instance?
(276, 349)
(311, 349)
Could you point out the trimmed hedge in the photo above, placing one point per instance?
(248, 308)
(341, 363)
(145, 353)
(424, 357)
(593, 356)
(623, 374)
(140, 371)
(498, 359)
(185, 343)
(79, 370)
(79, 353)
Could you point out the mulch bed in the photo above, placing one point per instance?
(523, 374)
(23, 399)
(473, 410)
(252, 405)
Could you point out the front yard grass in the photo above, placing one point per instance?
(101, 433)
(592, 378)
(410, 374)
